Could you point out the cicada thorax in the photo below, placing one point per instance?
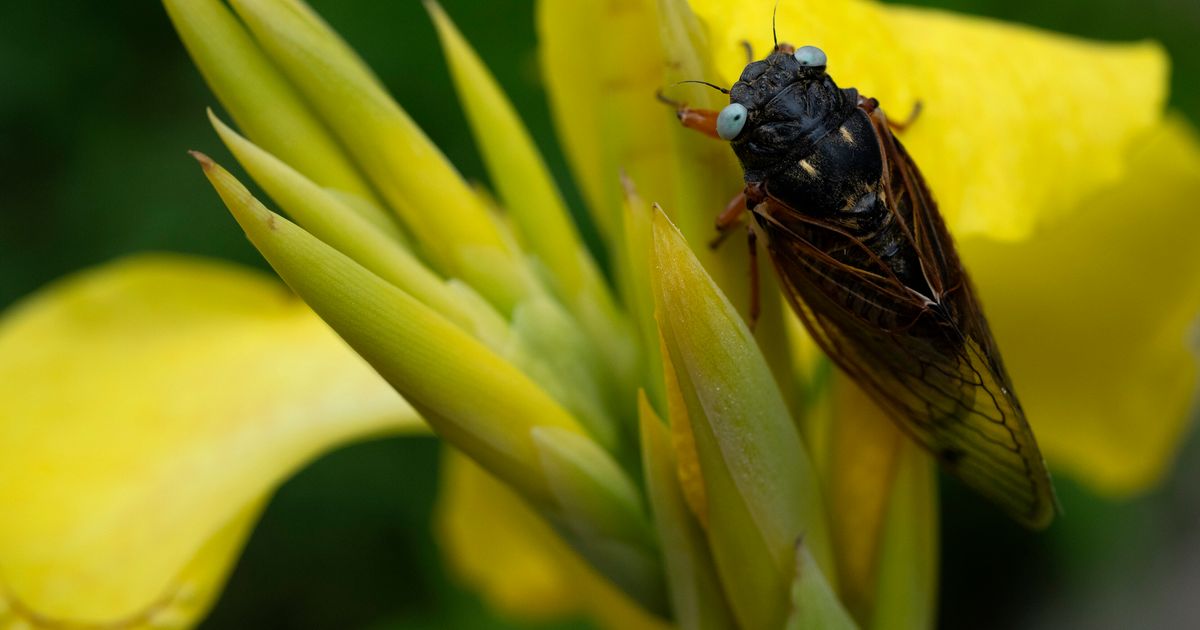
(811, 148)
(841, 183)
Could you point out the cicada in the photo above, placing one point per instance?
(868, 265)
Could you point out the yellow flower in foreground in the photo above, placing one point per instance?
(151, 406)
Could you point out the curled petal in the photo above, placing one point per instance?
(1096, 318)
(149, 409)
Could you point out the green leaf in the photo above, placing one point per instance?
(329, 218)
(907, 583)
(450, 223)
(471, 397)
(260, 99)
(548, 345)
(601, 511)
(696, 597)
(763, 493)
(814, 604)
(535, 204)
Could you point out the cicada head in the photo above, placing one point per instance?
(780, 107)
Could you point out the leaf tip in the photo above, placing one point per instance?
(206, 162)
(435, 10)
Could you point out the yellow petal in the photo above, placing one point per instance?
(883, 498)
(601, 75)
(1095, 318)
(1018, 124)
(612, 123)
(495, 543)
(149, 408)
(862, 458)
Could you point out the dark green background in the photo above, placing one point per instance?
(98, 103)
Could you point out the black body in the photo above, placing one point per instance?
(869, 267)
(812, 148)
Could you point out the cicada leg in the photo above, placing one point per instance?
(755, 306)
(912, 118)
(871, 106)
(728, 219)
(702, 120)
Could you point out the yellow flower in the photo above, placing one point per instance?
(151, 406)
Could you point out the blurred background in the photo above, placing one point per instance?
(98, 103)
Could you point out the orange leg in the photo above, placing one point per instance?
(870, 105)
(912, 118)
(702, 120)
(752, 242)
(729, 218)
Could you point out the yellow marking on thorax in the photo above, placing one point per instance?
(846, 134)
(808, 168)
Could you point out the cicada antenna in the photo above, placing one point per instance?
(715, 87)
(774, 36)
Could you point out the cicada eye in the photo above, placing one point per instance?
(731, 120)
(810, 56)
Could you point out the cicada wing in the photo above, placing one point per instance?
(942, 386)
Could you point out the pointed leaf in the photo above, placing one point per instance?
(534, 202)
(750, 453)
(814, 604)
(329, 218)
(445, 216)
(261, 100)
(471, 397)
(600, 509)
(523, 182)
(747, 564)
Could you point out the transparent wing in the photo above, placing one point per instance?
(929, 360)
